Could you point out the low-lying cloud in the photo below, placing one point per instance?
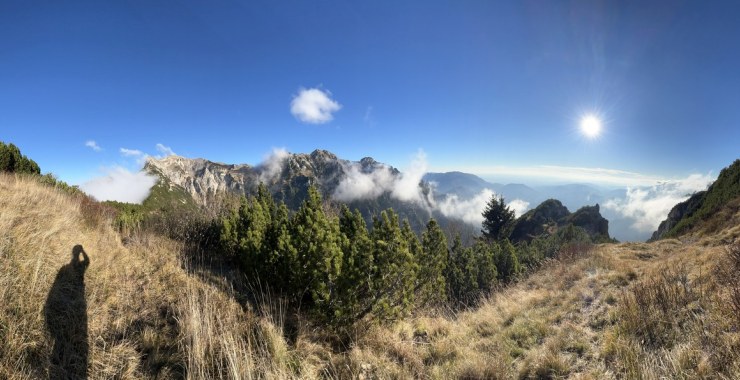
(314, 106)
(648, 206)
(124, 185)
(468, 210)
(272, 165)
(120, 184)
(471, 210)
(363, 185)
(371, 183)
(519, 206)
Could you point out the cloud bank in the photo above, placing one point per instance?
(371, 183)
(468, 210)
(363, 185)
(120, 184)
(471, 210)
(648, 206)
(314, 106)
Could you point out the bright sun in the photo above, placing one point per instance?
(590, 126)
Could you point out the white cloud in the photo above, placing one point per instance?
(272, 165)
(648, 206)
(404, 186)
(519, 206)
(119, 184)
(363, 185)
(93, 145)
(313, 106)
(469, 210)
(164, 150)
(131, 152)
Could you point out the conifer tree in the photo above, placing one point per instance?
(394, 268)
(498, 219)
(431, 286)
(317, 242)
(356, 279)
(243, 234)
(462, 274)
(11, 160)
(507, 262)
(280, 251)
(485, 261)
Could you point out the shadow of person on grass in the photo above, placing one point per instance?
(66, 319)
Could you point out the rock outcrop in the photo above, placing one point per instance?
(285, 175)
(551, 215)
(678, 212)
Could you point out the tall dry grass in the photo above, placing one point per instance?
(147, 317)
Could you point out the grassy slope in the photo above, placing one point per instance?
(147, 316)
(612, 313)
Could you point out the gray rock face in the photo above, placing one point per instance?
(202, 178)
(287, 175)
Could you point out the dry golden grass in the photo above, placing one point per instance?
(147, 317)
(636, 311)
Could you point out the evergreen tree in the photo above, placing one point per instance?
(394, 275)
(485, 262)
(280, 251)
(317, 242)
(11, 160)
(507, 262)
(356, 280)
(7, 160)
(431, 287)
(243, 234)
(415, 249)
(498, 219)
(462, 274)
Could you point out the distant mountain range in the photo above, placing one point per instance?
(372, 186)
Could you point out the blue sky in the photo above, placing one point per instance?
(490, 87)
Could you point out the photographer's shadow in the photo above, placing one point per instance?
(66, 319)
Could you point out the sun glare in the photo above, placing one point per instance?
(591, 126)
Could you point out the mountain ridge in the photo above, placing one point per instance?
(705, 210)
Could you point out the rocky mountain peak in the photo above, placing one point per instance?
(551, 215)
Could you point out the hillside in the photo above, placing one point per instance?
(706, 211)
(659, 310)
